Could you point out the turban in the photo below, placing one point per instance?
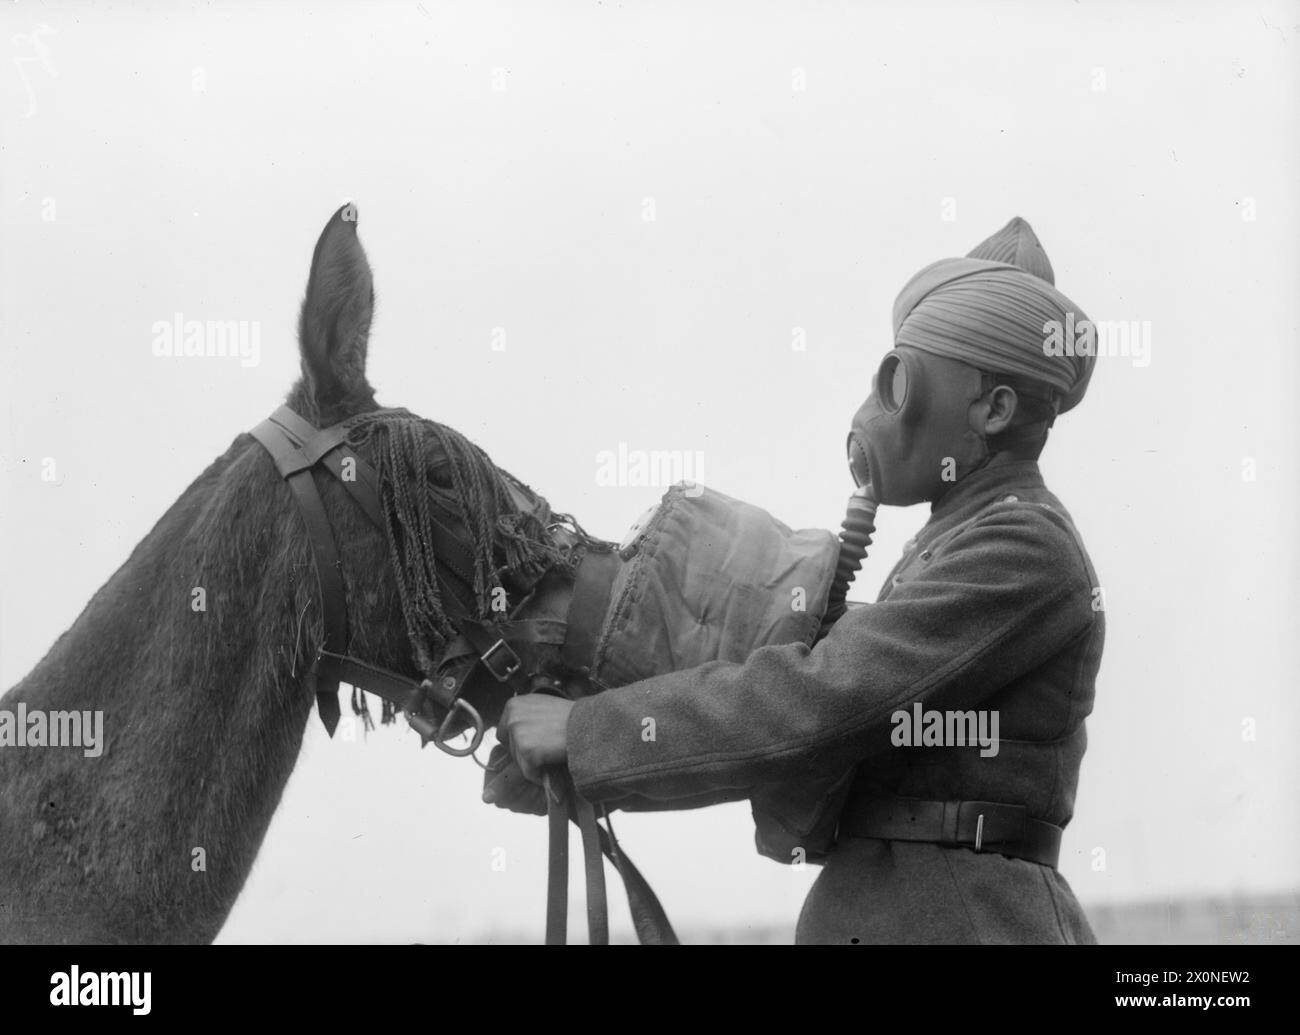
(995, 310)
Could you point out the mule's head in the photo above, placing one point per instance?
(396, 580)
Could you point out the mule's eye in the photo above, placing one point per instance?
(440, 473)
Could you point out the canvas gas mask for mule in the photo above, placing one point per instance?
(917, 434)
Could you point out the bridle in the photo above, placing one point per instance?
(506, 649)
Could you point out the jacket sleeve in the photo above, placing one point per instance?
(1001, 598)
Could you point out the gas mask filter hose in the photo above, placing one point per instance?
(858, 527)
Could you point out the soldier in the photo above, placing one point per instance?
(993, 609)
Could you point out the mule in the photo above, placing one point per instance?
(198, 652)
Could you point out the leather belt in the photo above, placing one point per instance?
(985, 826)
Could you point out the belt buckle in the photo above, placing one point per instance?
(511, 660)
(1000, 815)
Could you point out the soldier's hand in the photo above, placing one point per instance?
(533, 726)
(505, 786)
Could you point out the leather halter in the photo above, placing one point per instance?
(298, 447)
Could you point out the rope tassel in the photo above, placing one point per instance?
(407, 452)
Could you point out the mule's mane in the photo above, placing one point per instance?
(508, 543)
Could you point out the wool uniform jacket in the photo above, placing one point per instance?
(994, 606)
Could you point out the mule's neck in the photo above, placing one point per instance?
(192, 655)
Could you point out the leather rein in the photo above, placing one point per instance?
(504, 648)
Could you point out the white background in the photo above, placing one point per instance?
(500, 159)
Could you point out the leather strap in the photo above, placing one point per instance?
(648, 916)
(985, 826)
(328, 446)
(594, 864)
(592, 588)
(295, 469)
(649, 920)
(478, 639)
(404, 693)
(563, 804)
(557, 859)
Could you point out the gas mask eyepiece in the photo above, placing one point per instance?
(892, 381)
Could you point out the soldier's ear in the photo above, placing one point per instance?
(994, 412)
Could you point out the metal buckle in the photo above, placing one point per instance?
(1007, 823)
(428, 733)
(476, 720)
(513, 663)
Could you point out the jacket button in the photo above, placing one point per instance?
(926, 555)
(896, 579)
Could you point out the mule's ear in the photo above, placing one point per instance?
(334, 327)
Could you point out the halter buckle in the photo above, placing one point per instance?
(438, 736)
(505, 653)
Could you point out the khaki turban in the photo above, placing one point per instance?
(995, 310)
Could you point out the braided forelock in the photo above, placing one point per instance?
(396, 441)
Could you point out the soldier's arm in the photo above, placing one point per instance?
(1000, 599)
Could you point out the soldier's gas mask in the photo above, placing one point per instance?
(919, 431)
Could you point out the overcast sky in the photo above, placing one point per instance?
(647, 208)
